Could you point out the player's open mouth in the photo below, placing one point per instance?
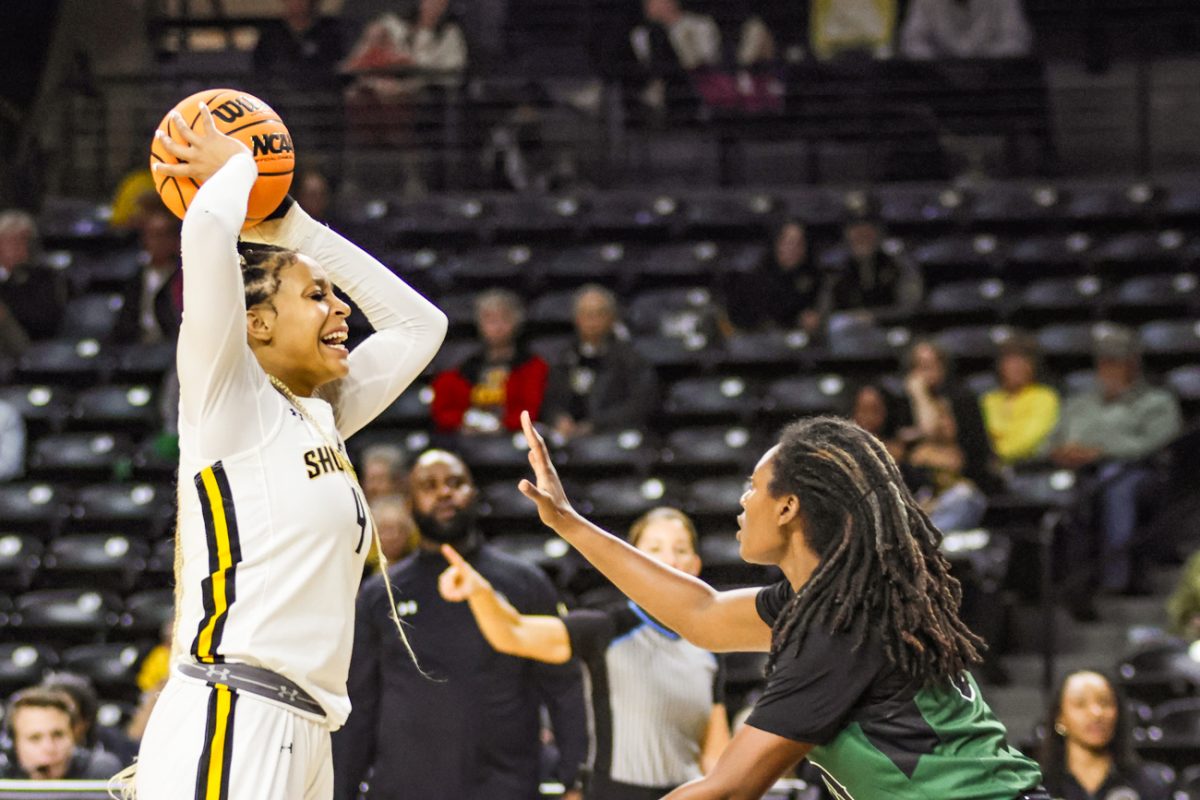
(336, 340)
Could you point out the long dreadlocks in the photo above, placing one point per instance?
(261, 265)
(881, 569)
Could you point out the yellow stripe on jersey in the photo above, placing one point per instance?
(212, 774)
(224, 553)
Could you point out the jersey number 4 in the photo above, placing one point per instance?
(360, 513)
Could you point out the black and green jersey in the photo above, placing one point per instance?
(878, 736)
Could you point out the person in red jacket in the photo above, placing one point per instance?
(487, 392)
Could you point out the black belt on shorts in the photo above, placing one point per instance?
(254, 680)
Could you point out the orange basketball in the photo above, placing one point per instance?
(244, 117)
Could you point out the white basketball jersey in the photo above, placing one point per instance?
(274, 540)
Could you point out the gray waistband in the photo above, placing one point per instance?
(254, 680)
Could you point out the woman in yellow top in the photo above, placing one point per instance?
(1021, 413)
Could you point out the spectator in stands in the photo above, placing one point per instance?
(313, 193)
(154, 301)
(88, 732)
(641, 755)
(670, 44)
(965, 29)
(866, 280)
(383, 471)
(947, 452)
(12, 443)
(397, 529)
(489, 390)
(1087, 751)
(852, 26)
(302, 47)
(1183, 607)
(1021, 412)
(31, 297)
(598, 382)
(782, 291)
(471, 733)
(1106, 434)
(42, 723)
(874, 411)
(134, 197)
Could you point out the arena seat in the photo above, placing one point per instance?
(127, 406)
(928, 207)
(1139, 251)
(770, 352)
(143, 508)
(703, 450)
(409, 410)
(616, 501)
(73, 361)
(958, 256)
(1181, 201)
(1185, 382)
(1145, 296)
(817, 207)
(679, 311)
(144, 362)
(79, 456)
(91, 316)
(806, 395)
(20, 557)
(100, 560)
(23, 664)
(519, 216)
(865, 346)
(716, 497)
(42, 406)
(973, 301)
(37, 508)
(1053, 488)
(675, 264)
(495, 454)
(591, 263)
(1055, 254)
(1107, 203)
(635, 215)
(104, 271)
(725, 399)
(459, 308)
(512, 267)
(148, 610)
(1187, 786)
(972, 345)
(980, 383)
(1059, 300)
(156, 459)
(615, 452)
(503, 505)
(66, 614)
(160, 566)
(443, 219)
(728, 213)
(1010, 204)
(1072, 341)
(677, 356)
(1173, 735)
(552, 311)
(1170, 338)
(112, 667)
(1158, 672)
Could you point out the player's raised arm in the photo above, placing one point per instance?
(408, 328)
(713, 620)
(213, 359)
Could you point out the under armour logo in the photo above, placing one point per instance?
(217, 673)
(288, 695)
(406, 608)
(295, 413)
(287, 747)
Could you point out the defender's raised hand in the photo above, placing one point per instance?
(205, 151)
(553, 506)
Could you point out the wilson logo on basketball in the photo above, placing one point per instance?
(238, 107)
(272, 144)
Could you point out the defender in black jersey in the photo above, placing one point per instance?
(867, 675)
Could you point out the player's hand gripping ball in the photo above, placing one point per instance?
(245, 118)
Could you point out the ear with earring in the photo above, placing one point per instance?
(1060, 729)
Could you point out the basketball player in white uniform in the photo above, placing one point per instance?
(273, 525)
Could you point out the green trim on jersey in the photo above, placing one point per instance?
(969, 761)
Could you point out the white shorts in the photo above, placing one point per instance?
(221, 744)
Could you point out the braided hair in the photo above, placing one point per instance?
(261, 265)
(881, 570)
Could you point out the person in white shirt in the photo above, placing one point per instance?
(273, 527)
(965, 29)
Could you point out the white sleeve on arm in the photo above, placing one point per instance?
(218, 375)
(408, 328)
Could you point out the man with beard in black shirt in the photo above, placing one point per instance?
(469, 728)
